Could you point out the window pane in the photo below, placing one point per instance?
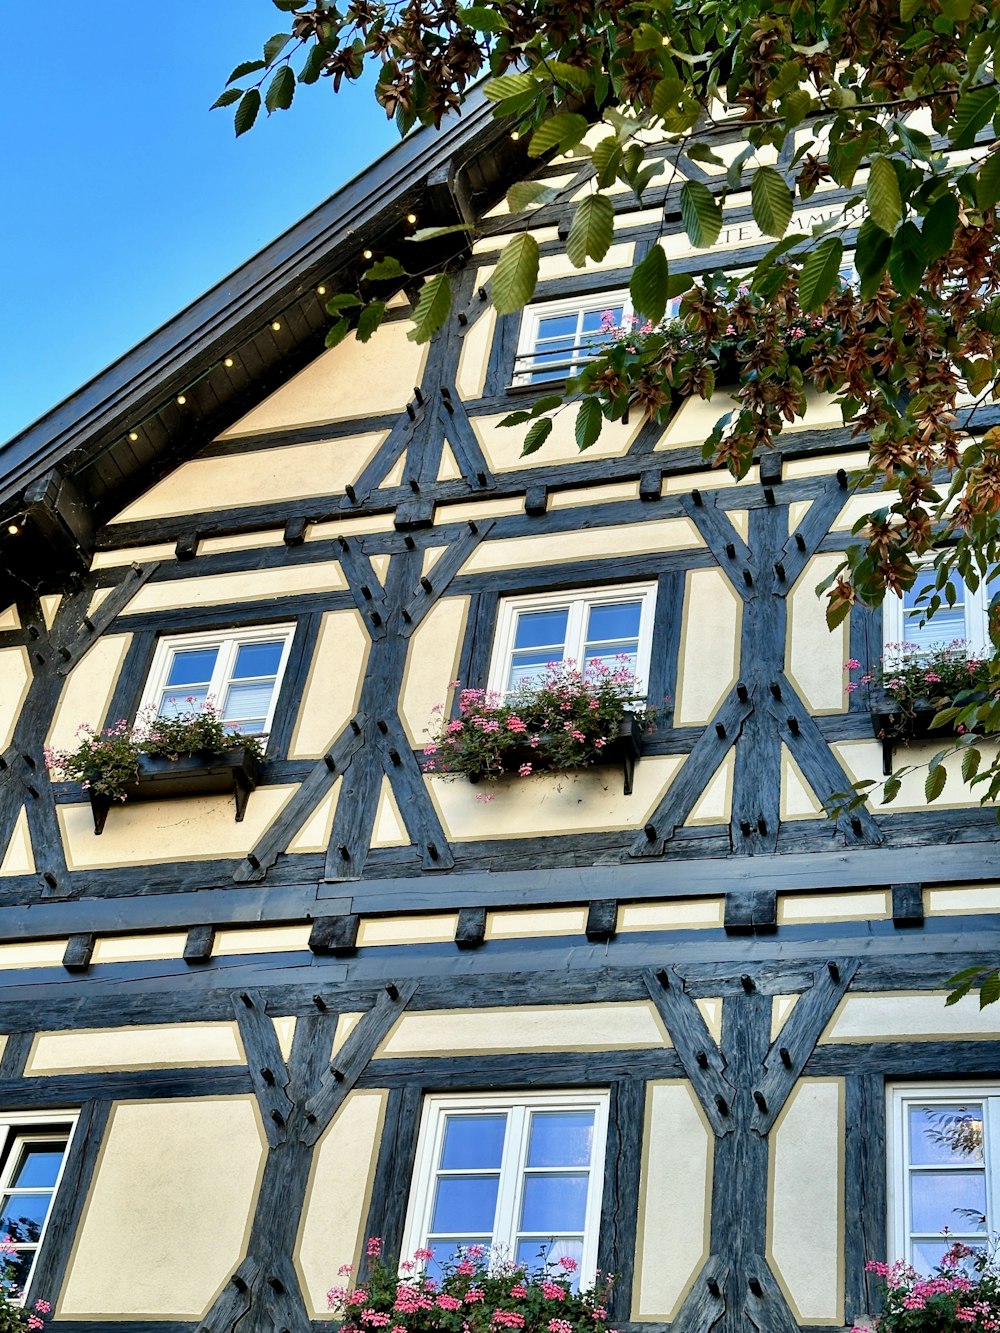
(464, 1203)
(187, 701)
(536, 1254)
(192, 666)
(39, 1165)
(474, 1141)
(613, 656)
(247, 701)
(948, 623)
(952, 1199)
(594, 320)
(946, 1134)
(258, 659)
(542, 629)
(560, 1138)
(23, 1215)
(558, 326)
(448, 1250)
(554, 1202)
(927, 1254)
(20, 1267)
(615, 620)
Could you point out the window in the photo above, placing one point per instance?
(603, 624)
(966, 619)
(31, 1164)
(561, 336)
(943, 1149)
(239, 673)
(521, 1174)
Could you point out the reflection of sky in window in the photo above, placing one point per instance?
(26, 1201)
(946, 1179)
(564, 341)
(947, 623)
(248, 696)
(539, 638)
(613, 631)
(188, 680)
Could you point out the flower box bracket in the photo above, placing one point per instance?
(160, 778)
(623, 748)
(893, 726)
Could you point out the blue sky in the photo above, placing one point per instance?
(125, 198)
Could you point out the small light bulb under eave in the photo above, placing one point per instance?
(133, 435)
(229, 363)
(13, 529)
(276, 326)
(367, 254)
(181, 400)
(411, 218)
(515, 135)
(320, 291)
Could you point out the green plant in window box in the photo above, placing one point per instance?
(915, 693)
(963, 1295)
(476, 1293)
(14, 1315)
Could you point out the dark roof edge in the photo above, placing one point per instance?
(93, 408)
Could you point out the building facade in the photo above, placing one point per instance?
(672, 1020)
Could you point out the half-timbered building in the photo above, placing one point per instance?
(241, 1020)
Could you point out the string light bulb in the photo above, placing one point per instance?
(133, 435)
(181, 400)
(276, 326)
(515, 135)
(411, 218)
(229, 363)
(13, 529)
(367, 254)
(320, 291)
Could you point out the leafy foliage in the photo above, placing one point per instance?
(963, 1294)
(949, 681)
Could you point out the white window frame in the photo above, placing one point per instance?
(898, 1099)
(228, 642)
(579, 601)
(37, 1126)
(429, 1143)
(578, 305)
(977, 635)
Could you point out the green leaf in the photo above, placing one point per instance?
(678, 284)
(906, 259)
(561, 73)
(819, 273)
(486, 20)
(989, 991)
(938, 231)
(341, 302)
(649, 284)
(870, 256)
(891, 790)
(907, 9)
(246, 112)
(592, 230)
(975, 109)
(522, 194)
(988, 182)
(432, 233)
(384, 269)
(281, 89)
(607, 158)
(537, 436)
(836, 612)
(516, 274)
(510, 85)
(338, 332)
(432, 309)
(771, 201)
(588, 423)
(700, 213)
(371, 318)
(547, 404)
(885, 205)
(970, 764)
(247, 67)
(562, 131)
(700, 152)
(227, 98)
(314, 62)
(274, 46)
(515, 418)
(934, 785)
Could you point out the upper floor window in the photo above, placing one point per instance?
(944, 1143)
(32, 1156)
(611, 625)
(239, 672)
(522, 1174)
(962, 615)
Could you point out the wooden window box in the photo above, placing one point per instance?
(892, 726)
(159, 779)
(624, 748)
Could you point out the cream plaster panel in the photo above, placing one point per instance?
(642, 217)
(781, 1007)
(522, 925)
(338, 1195)
(918, 1016)
(798, 800)
(381, 930)
(19, 858)
(863, 759)
(9, 617)
(595, 495)
(492, 245)
(475, 354)
(346, 381)
(502, 445)
(314, 835)
(241, 541)
(694, 421)
(740, 519)
(160, 1046)
(480, 509)
(333, 686)
(958, 900)
(681, 914)
(15, 680)
(380, 564)
(50, 605)
(133, 555)
(293, 472)
(394, 477)
(431, 555)
(346, 1023)
(805, 1201)
(136, 948)
(544, 805)
(711, 1012)
(815, 655)
(669, 534)
(285, 1031)
(431, 665)
(799, 908)
(676, 1182)
(714, 805)
(797, 511)
(32, 953)
(168, 1214)
(710, 636)
(87, 692)
(359, 526)
(682, 483)
(255, 585)
(823, 465)
(389, 830)
(448, 469)
(152, 832)
(577, 1027)
(261, 939)
(559, 265)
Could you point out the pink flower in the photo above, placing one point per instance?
(507, 1319)
(345, 1270)
(474, 1296)
(446, 1302)
(456, 725)
(43, 1307)
(552, 1291)
(466, 1268)
(423, 1254)
(519, 1290)
(852, 664)
(431, 749)
(560, 1326)
(524, 771)
(475, 1251)
(932, 677)
(375, 1318)
(484, 797)
(567, 1264)
(374, 1247)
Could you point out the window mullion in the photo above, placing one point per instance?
(504, 1223)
